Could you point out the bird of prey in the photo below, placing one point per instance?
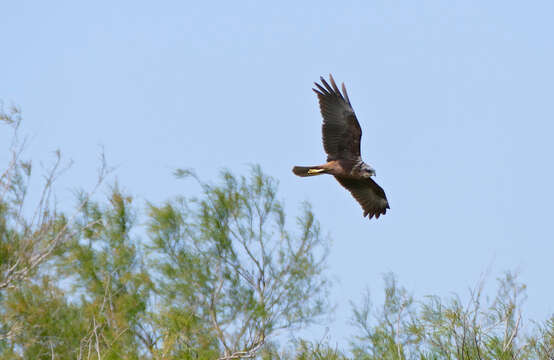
(341, 141)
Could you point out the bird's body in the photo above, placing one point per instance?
(341, 140)
(341, 167)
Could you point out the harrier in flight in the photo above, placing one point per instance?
(341, 141)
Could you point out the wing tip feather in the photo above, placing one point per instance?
(332, 89)
(345, 93)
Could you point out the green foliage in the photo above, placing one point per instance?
(542, 345)
(451, 329)
(45, 323)
(23, 240)
(301, 349)
(228, 257)
(104, 266)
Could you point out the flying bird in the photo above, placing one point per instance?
(341, 141)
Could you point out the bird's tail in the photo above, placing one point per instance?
(304, 171)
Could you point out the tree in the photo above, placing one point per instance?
(25, 241)
(228, 258)
(30, 233)
(542, 345)
(104, 264)
(395, 330)
(47, 325)
(451, 329)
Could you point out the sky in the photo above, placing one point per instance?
(454, 99)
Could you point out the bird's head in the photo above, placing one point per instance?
(367, 171)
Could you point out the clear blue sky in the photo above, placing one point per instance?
(454, 98)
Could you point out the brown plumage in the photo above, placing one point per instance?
(341, 141)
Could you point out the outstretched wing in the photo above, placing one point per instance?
(341, 130)
(371, 196)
